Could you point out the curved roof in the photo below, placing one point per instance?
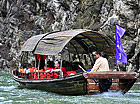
(80, 41)
(31, 43)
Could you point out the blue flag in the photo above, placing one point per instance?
(120, 54)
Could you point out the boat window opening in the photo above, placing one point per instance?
(88, 51)
(76, 50)
(24, 60)
(84, 58)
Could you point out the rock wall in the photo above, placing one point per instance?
(21, 19)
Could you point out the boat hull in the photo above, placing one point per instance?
(72, 85)
(81, 84)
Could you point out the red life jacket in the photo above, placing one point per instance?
(64, 70)
(21, 72)
(50, 75)
(36, 75)
(55, 75)
(42, 75)
(32, 70)
(71, 72)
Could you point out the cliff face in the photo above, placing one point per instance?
(21, 19)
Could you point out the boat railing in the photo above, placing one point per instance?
(57, 73)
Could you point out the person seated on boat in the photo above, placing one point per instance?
(50, 65)
(57, 64)
(27, 70)
(73, 72)
(50, 70)
(23, 70)
(63, 68)
(41, 74)
(71, 69)
(22, 67)
(75, 66)
(30, 69)
(68, 65)
(33, 64)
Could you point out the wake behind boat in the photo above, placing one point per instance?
(72, 52)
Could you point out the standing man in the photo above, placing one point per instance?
(101, 64)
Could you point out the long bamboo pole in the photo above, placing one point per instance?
(82, 68)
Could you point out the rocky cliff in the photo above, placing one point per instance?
(21, 19)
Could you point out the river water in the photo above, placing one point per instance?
(12, 93)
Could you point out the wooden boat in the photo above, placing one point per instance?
(78, 41)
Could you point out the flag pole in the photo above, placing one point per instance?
(116, 46)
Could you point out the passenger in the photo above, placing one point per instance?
(42, 74)
(50, 67)
(57, 65)
(33, 64)
(71, 69)
(22, 71)
(32, 71)
(68, 66)
(27, 71)
(63, 67)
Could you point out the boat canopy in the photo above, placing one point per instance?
(77, 41)
(31, 43)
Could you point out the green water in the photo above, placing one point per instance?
(11, 93)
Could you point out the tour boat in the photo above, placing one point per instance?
(73, 46)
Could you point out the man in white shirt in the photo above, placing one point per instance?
(101, 64)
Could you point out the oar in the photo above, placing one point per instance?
(82, 68)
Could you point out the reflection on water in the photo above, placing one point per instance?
(11, 93)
